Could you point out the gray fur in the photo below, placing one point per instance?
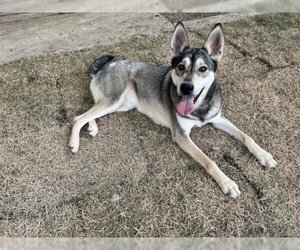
(152, 83)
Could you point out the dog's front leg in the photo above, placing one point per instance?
(227, 185)
(264, 158)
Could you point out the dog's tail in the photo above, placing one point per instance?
(99, 63)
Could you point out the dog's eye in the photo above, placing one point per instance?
(202, 69)
(181, 67)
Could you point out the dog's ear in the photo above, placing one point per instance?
(180, 39)
(215, 43)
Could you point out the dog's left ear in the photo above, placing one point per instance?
(180, 39)
(215, 43)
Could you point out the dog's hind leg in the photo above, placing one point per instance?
(100, 109)
(262, 156)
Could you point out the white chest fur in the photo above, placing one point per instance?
(187, 124)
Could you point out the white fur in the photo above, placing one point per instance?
(156, 113)
(95, 90)
(93, 128)
(128, 99)
(187, 62)
(203, 83)
(187, 124)
(124, 103)
(112, 65)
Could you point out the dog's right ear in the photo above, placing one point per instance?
(180, 39)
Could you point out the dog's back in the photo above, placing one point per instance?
(135, 84)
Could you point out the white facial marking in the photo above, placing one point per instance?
(201, 83)
(112, 64)
(187, 62)
(199, 62)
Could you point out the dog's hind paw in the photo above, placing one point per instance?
(267, 160)
(230, 188)
(74, 147)
(93, 131)
(93, 128)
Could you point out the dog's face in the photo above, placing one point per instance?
(194, 69)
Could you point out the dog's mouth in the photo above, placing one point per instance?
(197, 96)
(187, 104)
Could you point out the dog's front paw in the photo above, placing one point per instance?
(230, 188)
(266, 159)
(74, 146)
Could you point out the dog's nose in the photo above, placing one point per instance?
(186, 88)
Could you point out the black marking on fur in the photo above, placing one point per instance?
(218, 24)
(258, 190)
(215, 64)
(99, 63)
(197, 96)
(193, 54)
(135, 87)
(208, 102)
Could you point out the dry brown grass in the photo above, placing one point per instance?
(47, 191)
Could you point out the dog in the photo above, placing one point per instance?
(179, 97)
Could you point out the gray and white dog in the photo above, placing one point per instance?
(180, 97)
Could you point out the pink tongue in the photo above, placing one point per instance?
(186, 105)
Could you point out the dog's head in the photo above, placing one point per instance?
(194, 69)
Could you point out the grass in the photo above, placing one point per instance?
(47, 191)
(271, 36)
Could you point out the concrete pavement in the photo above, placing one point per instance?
(149, 6)
(25, 35)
